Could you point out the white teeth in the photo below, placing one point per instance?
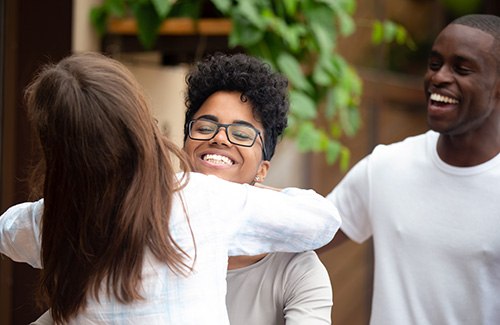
(217, 159)
(443, 99)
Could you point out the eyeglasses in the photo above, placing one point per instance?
(237, 133)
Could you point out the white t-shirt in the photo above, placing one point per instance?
(291, 288)
(226, 218)
(436, 232)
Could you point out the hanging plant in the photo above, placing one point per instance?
(297, 38)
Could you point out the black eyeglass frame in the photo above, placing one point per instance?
(225, 126)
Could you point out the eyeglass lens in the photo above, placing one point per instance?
(239, 134)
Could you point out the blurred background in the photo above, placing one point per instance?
(391, 107)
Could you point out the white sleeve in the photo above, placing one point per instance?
(351, 197)
(20, 233)
(261, 220)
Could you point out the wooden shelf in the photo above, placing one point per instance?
(180, 40)
(175, 27)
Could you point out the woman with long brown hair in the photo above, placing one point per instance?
(122, 238)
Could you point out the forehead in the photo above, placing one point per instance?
(228, 107)
(464, 41)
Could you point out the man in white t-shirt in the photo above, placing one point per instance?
(432, 202)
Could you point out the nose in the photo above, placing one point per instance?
(220, 137)
(442, 76)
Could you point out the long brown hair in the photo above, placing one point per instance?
(108, 183)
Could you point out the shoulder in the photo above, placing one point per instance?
(407, 145)
(403, 153)
(299, 265)
(306, 261)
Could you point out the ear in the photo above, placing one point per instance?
(262, 171)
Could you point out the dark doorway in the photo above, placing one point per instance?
(33, 32)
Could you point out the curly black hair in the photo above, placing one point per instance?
(265, 90)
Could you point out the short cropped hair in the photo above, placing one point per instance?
(487, 23)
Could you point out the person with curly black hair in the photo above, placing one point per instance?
(237, 110)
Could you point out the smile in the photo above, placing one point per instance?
(217, 159)
(443, 99)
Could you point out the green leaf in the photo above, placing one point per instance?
(289, 65)
(244, 34)
(291, 7)
(162, 7)
(330, 105)
(308, 137)
(346, 23)
(223, 6)
(332, 151)
(302, 105)
(401, 34)
(353, 81)
(98, 18)
(390, 29)
(341, 96)
(335, 130)
(349, 119)
(333, 64)
(348, 6)
(377, 33)
(148, 23)
(115, 8)
(320, 14)
(324, 36)
(321, 76)
(185, 8)
(249, 10)
(345, 157)
(290, 34)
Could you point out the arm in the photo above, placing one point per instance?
(292, 220)
(257, 220)
(20, 233)
(308, 292)
(339, 239)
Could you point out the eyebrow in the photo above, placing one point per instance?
(457, 56)
(216, 119)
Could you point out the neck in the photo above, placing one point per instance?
(467, 150)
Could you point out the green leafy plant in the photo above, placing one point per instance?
(297, 38)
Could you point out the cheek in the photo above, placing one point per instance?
(189, 147)
(252, 157)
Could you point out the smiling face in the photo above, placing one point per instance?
(461, 83)
(220, 157)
